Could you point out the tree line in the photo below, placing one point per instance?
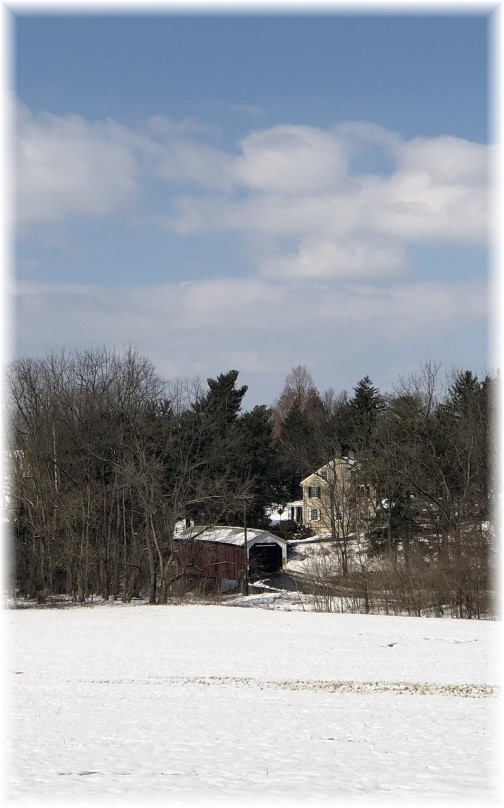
(425, 450)
(106, 458)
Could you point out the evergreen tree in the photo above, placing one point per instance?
(462, 441)
(337, 428)
(464, 393)
(215, 419)
(223, 401)
(258, 460)
(364, 408)
(297, 445)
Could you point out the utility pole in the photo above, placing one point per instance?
(245, 572)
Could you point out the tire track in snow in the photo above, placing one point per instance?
(325, 685)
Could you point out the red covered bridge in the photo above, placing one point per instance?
(219, 551)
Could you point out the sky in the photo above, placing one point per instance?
(255, 191)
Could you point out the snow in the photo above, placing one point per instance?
(275, 517)
(230, 535)
(140, 703)
(307, 555)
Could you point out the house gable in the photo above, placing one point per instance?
(333, 502)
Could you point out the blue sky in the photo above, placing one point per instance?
(255, 192)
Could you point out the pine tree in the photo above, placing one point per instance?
(297, 446)
(214, 419)
(463, 431)
(224, 400)
(364, 408)
(258, 460)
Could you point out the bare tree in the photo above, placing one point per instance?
(299, 391)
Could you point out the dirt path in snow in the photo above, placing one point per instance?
(328, 686)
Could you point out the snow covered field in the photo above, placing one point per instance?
(192, 703)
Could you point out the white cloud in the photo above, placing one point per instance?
(412, 206)
(296, 185)
(446, 160)
(287, 190)
(286, 182)
(338, 260)
(280, 215)
(187, 162)
(407, 311)
(330, 246)
(213, 324)
(291, 159)
(69, 167)
(357, 136)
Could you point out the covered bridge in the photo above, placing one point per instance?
(219, 551)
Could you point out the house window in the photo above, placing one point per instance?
(323, 474)
(314, 491)
(338, 514)
(314, 515)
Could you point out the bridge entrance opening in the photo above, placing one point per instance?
(265, 558)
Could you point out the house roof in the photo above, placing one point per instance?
(229, 535)
(349, 462)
